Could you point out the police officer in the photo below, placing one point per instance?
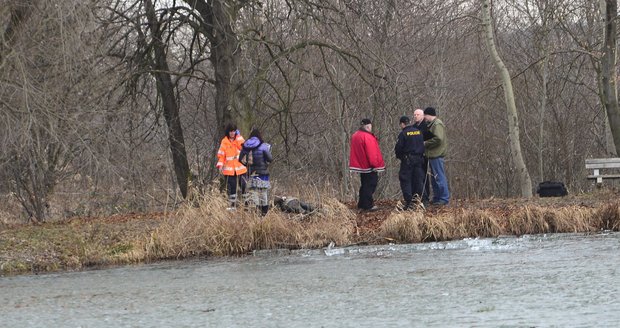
(409, 150)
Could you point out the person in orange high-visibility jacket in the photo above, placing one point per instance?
(228, 162)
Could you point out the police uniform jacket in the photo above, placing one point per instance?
(410, 142)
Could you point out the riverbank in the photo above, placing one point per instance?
(208, 229)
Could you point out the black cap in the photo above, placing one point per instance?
(405, 119)
(365, 121)
(430, 111)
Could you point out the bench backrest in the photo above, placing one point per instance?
(603, 163)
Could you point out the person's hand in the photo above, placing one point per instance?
(219, 166)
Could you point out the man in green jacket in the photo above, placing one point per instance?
(436, 148)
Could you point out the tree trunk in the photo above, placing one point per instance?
(543, 107)
(165, 88)
(608, 63)
(344, 144)
(223, 61)
(20, 11)
(218, 18)
(513, 119)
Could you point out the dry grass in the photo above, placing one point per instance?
(455, 223)
(335, 222)
(537, 219)
(440, 227)
(572, 219)
(206, 227)
(527, 220)
(403, 227)
(608, 216)
(480, 223)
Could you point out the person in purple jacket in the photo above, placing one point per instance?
(256, 156)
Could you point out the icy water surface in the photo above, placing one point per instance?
(532, 281)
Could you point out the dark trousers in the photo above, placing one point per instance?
(231, 187)
(411, 176)
(367, 188)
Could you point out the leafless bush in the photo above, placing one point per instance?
(78, 97)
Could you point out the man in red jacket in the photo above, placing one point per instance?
(365, 158)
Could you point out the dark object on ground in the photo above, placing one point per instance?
(551, 189)
(293, 205)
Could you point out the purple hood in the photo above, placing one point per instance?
(252, 143)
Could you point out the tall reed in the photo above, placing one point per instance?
(455, 223)
(206, 227)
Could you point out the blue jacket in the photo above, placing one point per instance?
(261, 156)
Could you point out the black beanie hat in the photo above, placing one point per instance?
(366, 121)
(405, 119)
(430, 111)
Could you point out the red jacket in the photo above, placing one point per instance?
(365, 155)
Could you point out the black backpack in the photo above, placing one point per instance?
(551, 189)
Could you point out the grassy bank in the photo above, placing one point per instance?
(456, 223)
(206, 228)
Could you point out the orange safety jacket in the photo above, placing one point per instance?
(228, 156)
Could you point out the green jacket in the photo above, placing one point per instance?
(438, 144)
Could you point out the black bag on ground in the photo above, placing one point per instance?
(551, 189)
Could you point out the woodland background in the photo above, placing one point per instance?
(115, 106)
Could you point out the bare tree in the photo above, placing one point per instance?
(217, 21)
(609, 68)
(44, 96)
(170, 103)
(107, 92)
(513, 120)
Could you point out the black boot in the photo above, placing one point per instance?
(264, 209)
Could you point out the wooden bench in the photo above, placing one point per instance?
(597, 164)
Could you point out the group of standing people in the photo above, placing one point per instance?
(419, 146)
(244, 162)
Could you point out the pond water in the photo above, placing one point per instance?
(531, 281)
